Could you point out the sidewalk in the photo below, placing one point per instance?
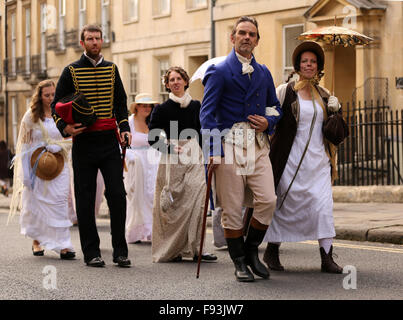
(355, 217)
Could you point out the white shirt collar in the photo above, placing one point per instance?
(242, 59)
(94, 63)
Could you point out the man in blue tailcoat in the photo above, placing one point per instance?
(239, 110)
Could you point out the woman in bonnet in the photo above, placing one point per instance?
(304, 164)
(181, 184)
(142, 165)
(42, 196)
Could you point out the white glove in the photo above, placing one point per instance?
(271, 111)
(130, 156)
(53, 148)
(333, 104)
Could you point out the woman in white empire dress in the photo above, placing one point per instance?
(43, 203)
(142, 166)
(304, 189)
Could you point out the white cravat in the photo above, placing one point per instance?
(184, 101)
(246, 67)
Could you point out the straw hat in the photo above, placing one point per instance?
(49, 164)
(312, 47)
(144, 98)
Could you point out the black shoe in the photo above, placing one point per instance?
(37, 253)
(242, 272)
(69, 255)
(96, 262)
(122, 262)
(206, 257)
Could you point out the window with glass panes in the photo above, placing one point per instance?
(195, 4)
(161, 7)
(164, 66)
(43, 35)
(27, 40)
(14, 118)
(62, 17)
(290, 41)
(133, 76)
(82, 13)
(131, 9)
(13, 45)
(105, 20)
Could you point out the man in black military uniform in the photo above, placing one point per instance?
(97, 147)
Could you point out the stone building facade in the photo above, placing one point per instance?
(145, 37)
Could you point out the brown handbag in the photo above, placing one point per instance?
(335, 129)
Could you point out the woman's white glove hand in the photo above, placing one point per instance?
(53, 148)
(333, 104)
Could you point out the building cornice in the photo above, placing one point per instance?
(150, 42)
(259, 7)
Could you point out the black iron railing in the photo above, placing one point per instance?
(373, 153)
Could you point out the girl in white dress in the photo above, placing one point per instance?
(142, 164)
(43, 203)
(303, 162)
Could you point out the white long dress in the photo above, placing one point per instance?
(307, 212)
(44, 212)
(142, 164)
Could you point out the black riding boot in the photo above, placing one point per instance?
(252, 242)
(237, 253)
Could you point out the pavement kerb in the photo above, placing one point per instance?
(390, 194)
(388, 233)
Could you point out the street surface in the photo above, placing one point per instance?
(377, 267)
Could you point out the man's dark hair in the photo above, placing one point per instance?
(90, 28)
(246, 19)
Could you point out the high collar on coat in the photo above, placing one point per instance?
(87, 63)
(249, 86)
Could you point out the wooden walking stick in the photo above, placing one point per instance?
(209, 176)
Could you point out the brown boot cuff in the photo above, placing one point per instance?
(229, 233)
(257, 225)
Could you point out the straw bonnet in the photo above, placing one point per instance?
(49, 164)
(312, 47)
(144, 98)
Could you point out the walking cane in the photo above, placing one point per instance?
(210, 174)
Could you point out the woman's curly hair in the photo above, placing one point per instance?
(179, 70)
(36, 102)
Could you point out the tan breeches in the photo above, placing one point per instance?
(230, 187)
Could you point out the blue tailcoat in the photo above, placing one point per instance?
(230, 97)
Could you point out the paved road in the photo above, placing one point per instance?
(378, 266)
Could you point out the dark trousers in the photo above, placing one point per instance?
(92, 151)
